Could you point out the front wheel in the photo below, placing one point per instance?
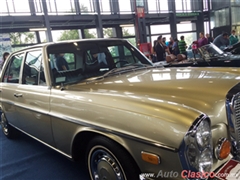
(107, 160)
(9, 131)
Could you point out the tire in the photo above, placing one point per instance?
(107, 160)
(9, 131)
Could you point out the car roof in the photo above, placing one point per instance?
(70, 41)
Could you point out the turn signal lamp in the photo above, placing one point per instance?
(223, 149)
(150, 158)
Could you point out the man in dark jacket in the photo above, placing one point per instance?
(222, 40)
(61, 62)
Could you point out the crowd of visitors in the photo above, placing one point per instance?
(176, 49)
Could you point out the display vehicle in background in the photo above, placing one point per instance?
(122, 115)
(208, 55)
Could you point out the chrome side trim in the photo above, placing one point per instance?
(98, 128)
(69, 156)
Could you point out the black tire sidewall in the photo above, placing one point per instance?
(126, 162)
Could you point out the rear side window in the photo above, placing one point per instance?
(12, 73)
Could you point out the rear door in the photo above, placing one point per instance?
(9, 84)
(32, 98)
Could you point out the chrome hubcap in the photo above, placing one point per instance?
(4, 125)
(104, 166)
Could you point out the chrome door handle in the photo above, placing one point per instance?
(17, 95)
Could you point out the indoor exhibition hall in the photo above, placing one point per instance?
(119, 89)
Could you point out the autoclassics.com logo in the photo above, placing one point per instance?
(184, 174)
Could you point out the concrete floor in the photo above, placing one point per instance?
(27, 159)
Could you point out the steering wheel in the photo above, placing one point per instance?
(120, 62)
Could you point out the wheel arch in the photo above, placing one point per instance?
(82, 139)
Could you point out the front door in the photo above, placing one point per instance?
(32, 99)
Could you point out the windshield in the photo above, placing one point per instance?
(210, 51)
(82, 60)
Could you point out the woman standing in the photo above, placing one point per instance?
(160, 49)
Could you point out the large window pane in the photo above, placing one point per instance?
(163, 5)
(109, 32)
(185, 26)
(235, 16)
(188, 37)
(206, 27)
(183, 5)
(205, 5)
(38, 7)
(51, 6)
(125, 6)
(105, 6)
(160, 29)
(221, 17)
(3, 7)
(235, 2)
(90, 33)
(17, 7)
(128, 31)
(65, 7)
(153, 6)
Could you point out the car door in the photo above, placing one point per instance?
(32, 98)
(10, 82)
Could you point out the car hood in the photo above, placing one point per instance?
(160, 104)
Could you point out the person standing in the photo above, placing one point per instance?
(5, 56)
(209, 38)
(175, 48)
(233, 39)
(182, 46)
(160, 49)
(221, 40)
(170, 44)
(61, 62)
(202, 40)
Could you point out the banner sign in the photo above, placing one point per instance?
(187, 14)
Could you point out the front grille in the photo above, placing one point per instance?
(236, 106)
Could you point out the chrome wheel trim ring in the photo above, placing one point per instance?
(103, 165)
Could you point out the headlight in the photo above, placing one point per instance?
(197, 146)
(203, 134)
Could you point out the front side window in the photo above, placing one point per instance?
(33, 72)
(12, 73)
